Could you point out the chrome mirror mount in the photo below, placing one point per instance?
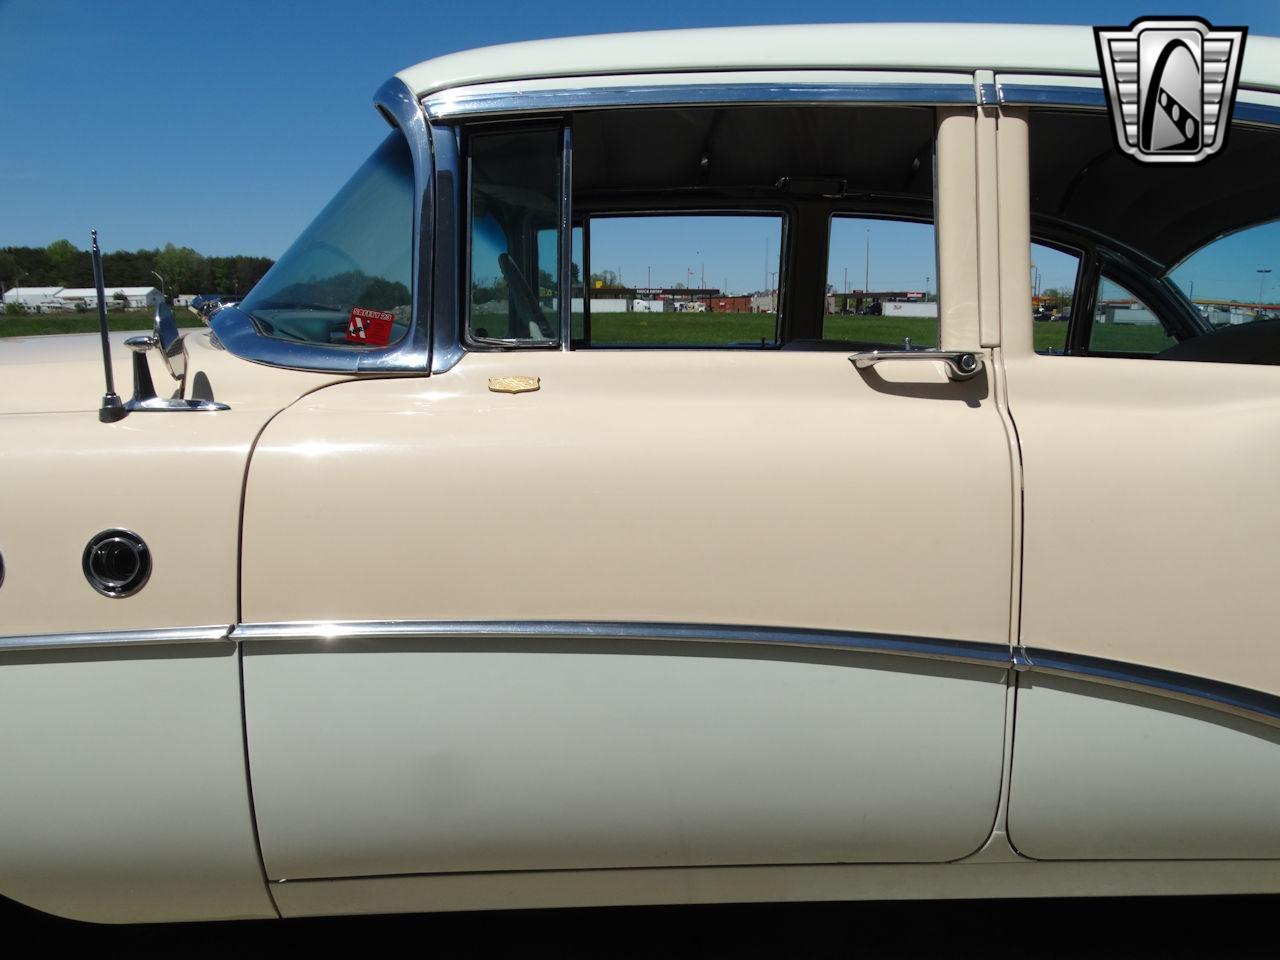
(165, 338)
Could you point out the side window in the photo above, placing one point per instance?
(1186, 252)
(882, 278)
(514, 254)
(1124, 324)
(1053, 284)
(690, 280)
(1235, 279)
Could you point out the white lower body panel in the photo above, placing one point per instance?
(123, 793)
(511, 891)
(435, 757)
(1101, 773)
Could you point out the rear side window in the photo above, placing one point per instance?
(881, 281)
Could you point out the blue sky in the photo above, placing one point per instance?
(226, 125)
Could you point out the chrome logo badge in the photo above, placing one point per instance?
(1171, 84)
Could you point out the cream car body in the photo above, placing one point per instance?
(676, 625)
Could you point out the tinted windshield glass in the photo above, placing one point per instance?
(347, 279)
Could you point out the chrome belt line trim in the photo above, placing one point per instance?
(1214, 694)
(935, 649)
(116, 638)
(477, 102)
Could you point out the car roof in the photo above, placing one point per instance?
(1068, 50)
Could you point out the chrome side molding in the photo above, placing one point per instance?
(116, 638)
(1199, 691)
(960, 364)
(352, 631)
(1215, 695)
(1250, 704)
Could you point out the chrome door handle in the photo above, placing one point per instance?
(961, 364)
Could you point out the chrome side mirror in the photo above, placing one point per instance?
(169, 341)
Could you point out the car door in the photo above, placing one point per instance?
(602, 608)
(1146, 715)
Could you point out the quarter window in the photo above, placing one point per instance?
(1122, 323)
(1053, 284)
(357, 254)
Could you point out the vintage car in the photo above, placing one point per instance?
(434, 576)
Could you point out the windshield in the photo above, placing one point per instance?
(347, 279)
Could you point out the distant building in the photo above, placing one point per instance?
(729, 304)
(910, 308)
(764, 302)
(136, 298)
(35, 299)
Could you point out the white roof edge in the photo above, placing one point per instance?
(1033, 49)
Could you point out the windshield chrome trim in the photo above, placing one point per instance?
(477, 101)
(344, 635)
(237, 332)
(115, 638)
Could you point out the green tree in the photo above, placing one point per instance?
(181, 268)
(64, 262)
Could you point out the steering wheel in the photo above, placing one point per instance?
(522, 297)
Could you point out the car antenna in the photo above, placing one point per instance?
(112, 409)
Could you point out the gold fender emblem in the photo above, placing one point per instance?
(514, 384)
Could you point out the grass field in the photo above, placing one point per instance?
(42, 324)
(670, 329)
(694, 329)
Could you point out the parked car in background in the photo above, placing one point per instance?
(207, 304)
(416, 583)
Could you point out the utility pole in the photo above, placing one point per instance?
(866, 276)
(649, 282)
(1262, 278)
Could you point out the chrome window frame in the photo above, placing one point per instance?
(461, 322)
(477, 101)
(434, 342)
